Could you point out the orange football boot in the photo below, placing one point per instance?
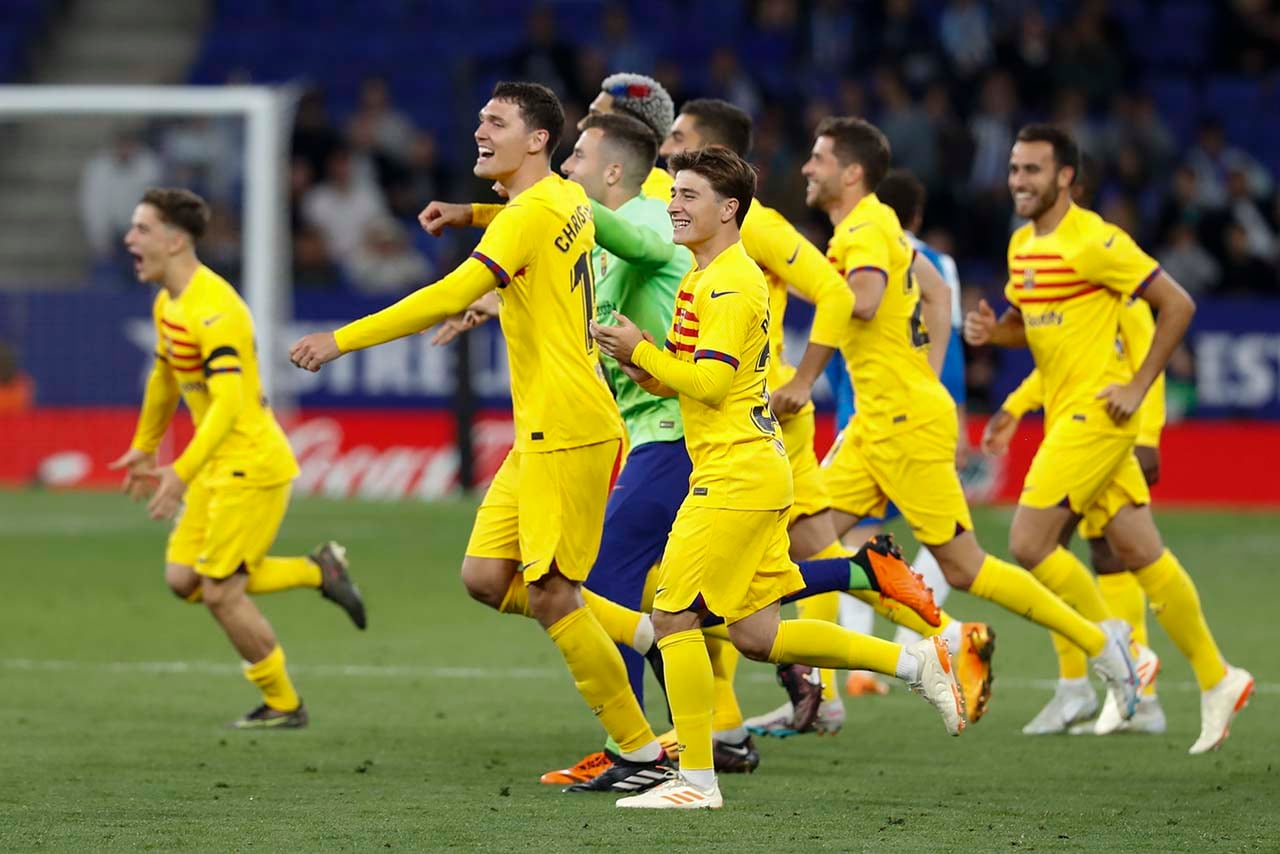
(973, 667)
(590, 767)
(881, 557)
(863, 684)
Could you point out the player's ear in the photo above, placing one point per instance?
(613, 174)
(729, 209)
(538, 142)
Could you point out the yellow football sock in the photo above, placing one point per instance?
(835, 549)
(1177, 606)
(899, 614)
(822, 644)
(283, 573)
(1018, 591)
(726, 713)
(517, 599)
(619, 622)
(824, 606)
(601, 678)
(273, 681)
(691, 692)
(1125, 599)
(195, 596)
(650, 587)
(1064, 574)
(720, 631)
(1072, 663)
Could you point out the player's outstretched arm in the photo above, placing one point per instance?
(437, 216)
(635, 244)
(1174, 309)
(981, 327)
(935, 309)
(420, 310)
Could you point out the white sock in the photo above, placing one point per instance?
(643, 641)
(909, 667)
(952, 638)
(649, 753)
(856, 615)
(703, 778)
(927, 565)
(737, 735)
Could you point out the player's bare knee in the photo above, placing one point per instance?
(219, 594)
(483, 584)
(181, 580)
(1030, 548)
(753, 645)
(1104, 558)
(666, 623)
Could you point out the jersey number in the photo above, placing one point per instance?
(583, 275)
(915, 326)
(763, 362)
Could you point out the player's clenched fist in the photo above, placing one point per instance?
(978, 325)
(438, 216)
(312, 351)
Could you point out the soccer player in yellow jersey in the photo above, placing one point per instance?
(727, 550)
(235, 474)
(538, 529)
(901, 444)
(1074, 702)
(1070, 273)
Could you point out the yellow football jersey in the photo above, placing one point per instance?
(539, 248)
(205, 338)
(722, 313)
(658, 185)
(1071, 286)
(895, 389)
(789, 260)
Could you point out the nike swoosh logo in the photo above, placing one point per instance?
(854, 228)
(659, 590)
(794, 255)
(212, 320)
(718, 294)
(525, 566)
(1110, 240)
(736, 751)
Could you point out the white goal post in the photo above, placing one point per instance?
(267, 113)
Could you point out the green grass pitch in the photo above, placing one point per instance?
(429, 731)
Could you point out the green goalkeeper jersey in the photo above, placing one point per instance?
(638, 271)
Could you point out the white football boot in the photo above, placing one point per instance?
(1219, 705)
(1073, 701)
(676, 794)
(936, 682)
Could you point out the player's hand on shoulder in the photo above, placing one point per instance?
(312, 351)
(1122, 400)
(437, 216)
(139, 473)
(998, 433)
(979, 325)
(790, 397)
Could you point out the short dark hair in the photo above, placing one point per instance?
(180, 208)
(858, 141)
(630, 136)
(540, 109)
(1065, 150)
(903, 192)
(721, 123)
(727, 173)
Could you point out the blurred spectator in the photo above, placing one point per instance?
(1120, 210)
(312, 267)
(1246, 213)
(370, 164)
(1185, 259)
(425, 178)
(1087, 58)
(1244, 273)
(390, 130)
(222, 246)
(904, 37)
(1028, 52)
(314, 138)
(1212, 158)
(730, 82)
(1134, 121)
(342, 207)
(832, 34)
(113, 181)
(992, 128)
(1184, 207)
(385, 262)
(1248, 36)
(622, 51)
(204, 154)
(17, 389)
(965, 33)
(1071, 111)
(907, 126)
(544, 57)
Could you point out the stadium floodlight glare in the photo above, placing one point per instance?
(266, 112)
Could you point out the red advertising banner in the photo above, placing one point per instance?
(392, 454)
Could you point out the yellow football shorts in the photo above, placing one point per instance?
(916, 470)
(810, 492)
(1092, 472)
(730, 562)
(546, 509)
(223, 528)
